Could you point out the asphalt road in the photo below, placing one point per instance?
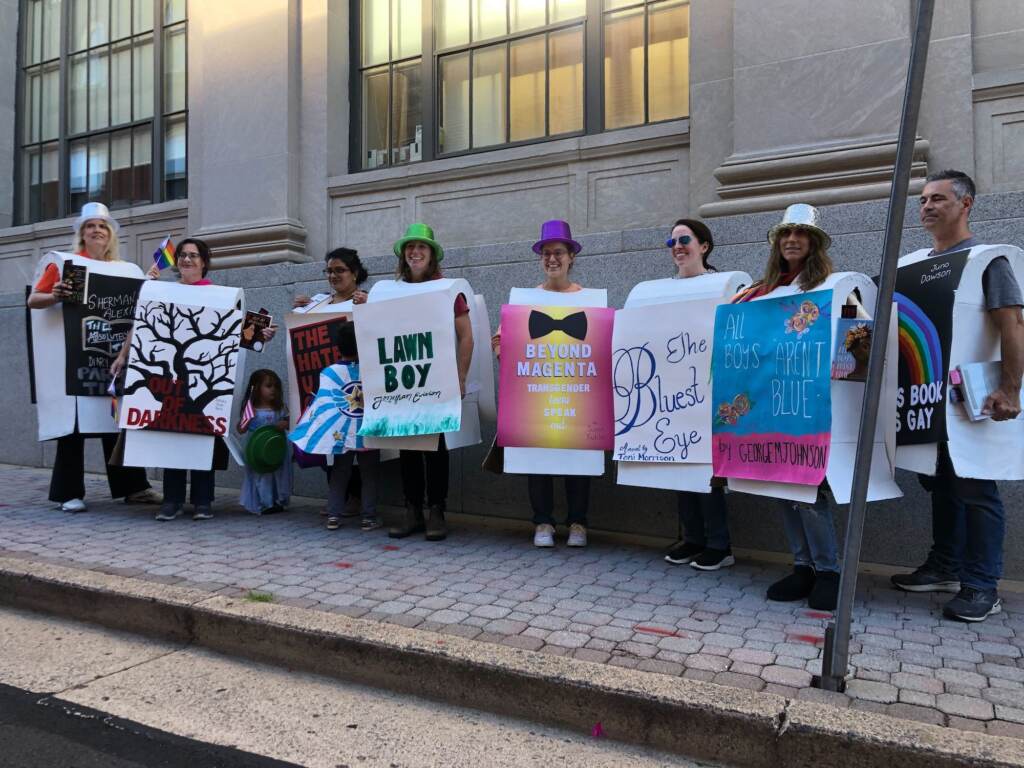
(39, 731)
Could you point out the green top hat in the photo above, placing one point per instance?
(419, 233)
(266, 449)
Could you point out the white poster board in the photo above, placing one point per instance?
(555, 461)
(407, 362)
(716, 286)
(57, 411)
(181, 331)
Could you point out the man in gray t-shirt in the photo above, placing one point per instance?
(968, 518)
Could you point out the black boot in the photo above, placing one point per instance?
(411, 523)
(825, 593)
(796, 586)
(436, 529)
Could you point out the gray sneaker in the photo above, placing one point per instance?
(168, 511)
(202, 513)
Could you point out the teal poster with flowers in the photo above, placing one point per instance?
(771, 398)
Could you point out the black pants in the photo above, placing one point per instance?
(202, 486)
(68, 479)
(427, 469)
(542, 498)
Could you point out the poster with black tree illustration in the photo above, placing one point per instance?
(181, 368)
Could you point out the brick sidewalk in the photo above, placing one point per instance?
(609, 603)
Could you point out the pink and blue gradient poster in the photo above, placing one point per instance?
(555, 387)
(771, 389)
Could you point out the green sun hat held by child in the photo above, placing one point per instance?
(419, 232)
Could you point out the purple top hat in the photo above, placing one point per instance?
(556, 230)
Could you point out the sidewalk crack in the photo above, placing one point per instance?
(86, 683)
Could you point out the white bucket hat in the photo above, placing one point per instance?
(801, 216)
(92, 211)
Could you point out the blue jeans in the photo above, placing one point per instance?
(542, 498)
(202, 486)
(704, 518)
(968, 526)
(811, 534)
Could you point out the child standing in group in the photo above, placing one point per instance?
(369, 459)
(264, 494)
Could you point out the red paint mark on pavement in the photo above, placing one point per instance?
(391, 548)
(810, 639)
(655, 631)
(343, 565)
(818, 614)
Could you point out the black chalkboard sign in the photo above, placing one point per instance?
(95, 330)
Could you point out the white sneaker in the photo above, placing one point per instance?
(73, 505)
(577, 535)
(544, 536)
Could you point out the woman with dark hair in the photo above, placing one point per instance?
(706, 544)
(419, 257)
(192, 259)
(345, 273)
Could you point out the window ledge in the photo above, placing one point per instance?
(673, 133)
(126, 217)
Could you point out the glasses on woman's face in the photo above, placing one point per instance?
(336, 271)
(194, 255)
(682, 240)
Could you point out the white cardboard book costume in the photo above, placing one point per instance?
(204, 335)
(479, 401)
(57, 411)
(555, 461)
(990, 450)
(716, 287)
(847, 398)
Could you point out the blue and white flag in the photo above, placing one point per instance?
(330, 425)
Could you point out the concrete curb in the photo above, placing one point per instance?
(701, 720)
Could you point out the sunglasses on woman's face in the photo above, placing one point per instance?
(682, 240)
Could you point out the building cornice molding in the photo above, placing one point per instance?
(670, 135)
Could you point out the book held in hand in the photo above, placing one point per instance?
(252, 329)
(75, 275)
(975, 382)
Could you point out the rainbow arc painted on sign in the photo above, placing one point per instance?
(919, 343)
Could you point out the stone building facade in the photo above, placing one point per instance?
(724, 109)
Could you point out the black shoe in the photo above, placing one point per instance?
(825, 593)
(926, 579)
(796, 586)
(972, 604)
(683, 553)
(436, 529)
(412, 522)
(713, 559)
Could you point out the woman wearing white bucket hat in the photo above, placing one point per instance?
(95, 237)
(799, 256)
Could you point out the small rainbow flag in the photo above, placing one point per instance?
(164, 255)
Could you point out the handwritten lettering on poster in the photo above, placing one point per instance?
(771, 389)
(661, 379)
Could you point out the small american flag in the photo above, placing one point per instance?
(247, 415)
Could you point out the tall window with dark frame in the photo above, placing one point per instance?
(508, 72)
(103, 104)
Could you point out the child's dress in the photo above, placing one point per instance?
(260, 492)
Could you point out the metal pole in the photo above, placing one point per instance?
(837, 637)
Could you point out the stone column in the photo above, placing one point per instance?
(8, 86)
(244, 165)
(817, 87)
